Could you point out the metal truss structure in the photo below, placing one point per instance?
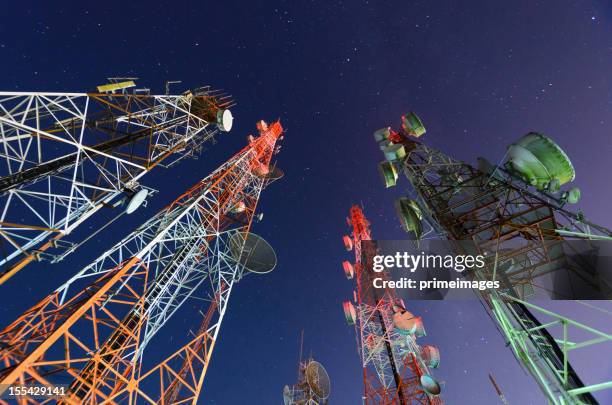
(523, 232)
(64, 156)
(93, 331)
(312, 387)
(391, 360)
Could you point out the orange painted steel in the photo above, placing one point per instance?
(87, 336)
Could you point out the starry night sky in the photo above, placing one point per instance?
(480, 75)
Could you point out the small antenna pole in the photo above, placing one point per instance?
(301, 346)
(498, 390)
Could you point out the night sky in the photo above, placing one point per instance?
(480, 75)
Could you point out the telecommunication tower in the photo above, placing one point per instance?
(67, 155)
(395, 367)
(94, 330)
(515, 215)
(313, 386)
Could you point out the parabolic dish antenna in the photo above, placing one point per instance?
(430, 385)
(272, 175)
(136, 200)
(225, 120)
(318, 379)
(252, 252)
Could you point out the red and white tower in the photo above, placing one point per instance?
(93, 332)
(395, 367)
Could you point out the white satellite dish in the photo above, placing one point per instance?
(225, 120)
(136, 200)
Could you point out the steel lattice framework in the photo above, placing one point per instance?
(392, 363)
(66, 155)
(489, 211)
(94, 329)
(302, 392)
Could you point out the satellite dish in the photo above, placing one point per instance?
(349, 271)
(388, 173)
(430, 385)
(395, 152)
(541, 162)
(252, 252)
(350, 314)
(410, 216)
(225, 120)
(431, 355)
(348, 243)
(412, 125)
(572, 195)
(271, 175)
(136, 200)
(318, 379)
(287, 395)
(382, 134)
(407, 324)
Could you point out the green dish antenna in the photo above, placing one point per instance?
(382, 134)
(539, 161)
(388, 173)
(410, 216)
(412, 125)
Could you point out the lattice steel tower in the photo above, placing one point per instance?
(515, 215)
(65, 156)
(94, 331)
(395, 367)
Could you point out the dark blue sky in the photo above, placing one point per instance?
(480, 75)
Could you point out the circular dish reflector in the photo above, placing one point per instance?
(252, 252)
(430, 385)
(573, 195)
(395, 151)
(382, 134)
(412, 125)
(431, 355)
(136, 200)
(388, 173)
(268, 174)
(410, 216)
(349, 271)
(318, 379)
(349, 312)
(225, 120)
(348, 243)
(541, 162)
(408, 324)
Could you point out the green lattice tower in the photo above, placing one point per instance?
(492, 211)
